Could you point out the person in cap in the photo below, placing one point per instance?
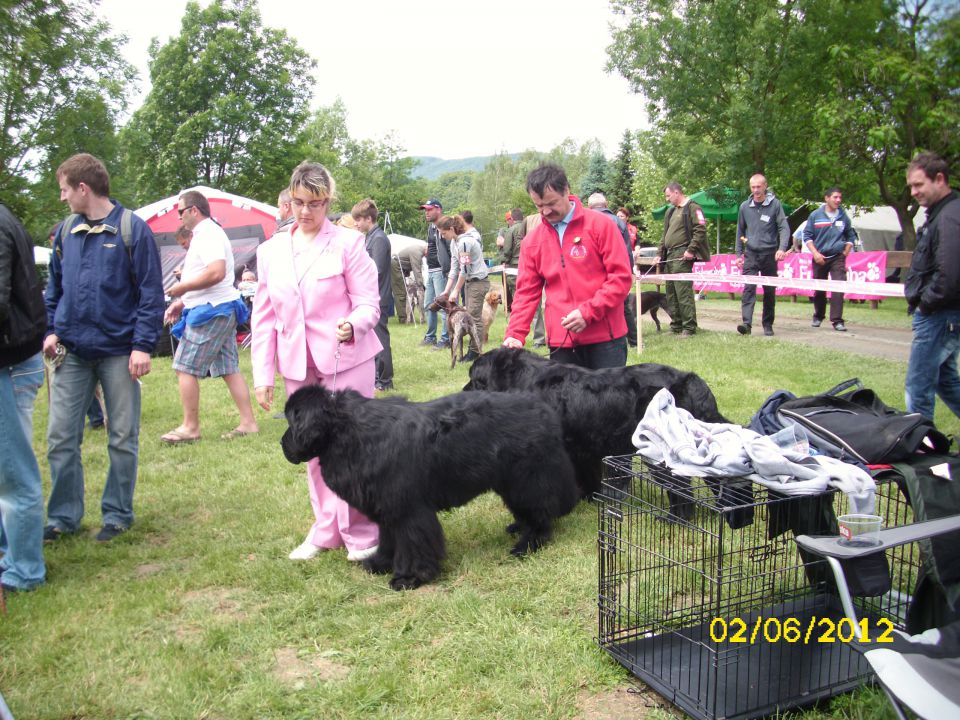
(438, 267)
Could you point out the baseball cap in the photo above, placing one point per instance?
(432, 202)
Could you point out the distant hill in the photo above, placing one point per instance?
(430, 168)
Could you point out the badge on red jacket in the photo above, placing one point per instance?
(579, 250)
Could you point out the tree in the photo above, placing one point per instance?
(895, 98)
(229, 98)
(595, 179)
(56, 60)
(620, 183)
(737, 83)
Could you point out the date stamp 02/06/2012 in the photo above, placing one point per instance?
(793, 630)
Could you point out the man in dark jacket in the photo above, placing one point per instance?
(23, 320)
(763, 237)
(438, 268)
(365, 214)
(932, 288)
(104, 314)
(684, 241)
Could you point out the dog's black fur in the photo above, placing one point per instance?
(599, 409)
(650, 301)
(400, 462)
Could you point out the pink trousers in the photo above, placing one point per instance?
(337, 524)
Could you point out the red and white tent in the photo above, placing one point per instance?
(226, 208)
(247, 223)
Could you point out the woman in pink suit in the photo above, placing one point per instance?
(314, 311)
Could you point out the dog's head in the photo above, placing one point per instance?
(442, 302)
(313, 418)
(492, 298)
(503, 369)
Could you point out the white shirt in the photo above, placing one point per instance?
(209, 244)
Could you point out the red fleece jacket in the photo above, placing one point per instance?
(589, 272)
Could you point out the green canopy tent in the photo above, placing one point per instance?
(718, 203)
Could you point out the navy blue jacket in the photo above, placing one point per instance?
(102, 298)
(829, 237)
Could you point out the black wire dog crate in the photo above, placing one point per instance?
(705, 597)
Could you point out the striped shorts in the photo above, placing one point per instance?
(210, 348)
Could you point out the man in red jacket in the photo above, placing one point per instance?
(576, 255)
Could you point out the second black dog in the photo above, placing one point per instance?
(599, 409)
(400, 462)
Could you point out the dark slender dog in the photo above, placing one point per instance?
(460, 323)
(650, 301)
(599, 409)
(400, 462)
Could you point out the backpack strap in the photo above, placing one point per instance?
(65, 228)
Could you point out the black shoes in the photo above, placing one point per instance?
(381, 387)
(51, 533)
(743, 328)
(768, 330)
(470, 356)
(109, 532)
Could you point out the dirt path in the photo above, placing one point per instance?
(883, 342)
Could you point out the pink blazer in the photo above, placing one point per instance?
(293, 316)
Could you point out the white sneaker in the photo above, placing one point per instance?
(361, 555)
(306, 551)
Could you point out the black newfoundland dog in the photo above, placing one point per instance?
(599, 409)
(399, 462)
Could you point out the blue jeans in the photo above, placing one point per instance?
(434, 285)
(21, 495)
(932, 368)
(71, 390)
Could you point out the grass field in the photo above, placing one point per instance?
(197, 613)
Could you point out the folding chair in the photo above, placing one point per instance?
(919, 672)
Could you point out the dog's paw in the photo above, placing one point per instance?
(526, 546)
(513, 528)
(404, 583)
(377, 565)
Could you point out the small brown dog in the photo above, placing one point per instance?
(460, 323)
(491, 301)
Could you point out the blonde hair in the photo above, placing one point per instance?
(315, 179)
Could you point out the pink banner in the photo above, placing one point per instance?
(861, 266)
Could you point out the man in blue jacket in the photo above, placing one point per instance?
(104, 314)
(829, 235)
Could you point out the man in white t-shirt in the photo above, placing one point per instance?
(209, 308)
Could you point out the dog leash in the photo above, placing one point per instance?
(336, 366)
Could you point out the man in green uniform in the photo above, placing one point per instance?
(684, 241)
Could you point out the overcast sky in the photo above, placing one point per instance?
(449, 79)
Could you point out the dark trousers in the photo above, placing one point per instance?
(759, 264)
(836, 269)
(612, 353)
(631, 320)
(680, 296)
(384, 359)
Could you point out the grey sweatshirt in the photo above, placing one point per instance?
(765, 226)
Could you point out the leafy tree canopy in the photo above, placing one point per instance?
(227, 105)
(62, 82)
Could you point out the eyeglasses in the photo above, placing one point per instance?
(312, 206)
(181, 211)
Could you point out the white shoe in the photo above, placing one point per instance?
(306, 551)
(361, 555)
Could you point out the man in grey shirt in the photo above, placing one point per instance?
(763, 237)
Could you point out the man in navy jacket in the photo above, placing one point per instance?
(104, 314)
(830, 236)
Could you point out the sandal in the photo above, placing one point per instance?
(177, 437)
(237, 433)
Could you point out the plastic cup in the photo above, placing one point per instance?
(860, 530)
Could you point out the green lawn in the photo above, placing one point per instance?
(197, 613)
